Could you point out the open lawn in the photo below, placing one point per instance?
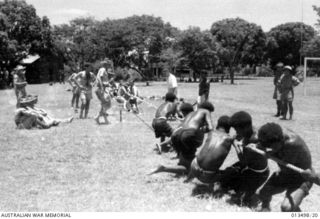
(86, 167)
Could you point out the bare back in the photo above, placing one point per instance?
(295, 150)
(166, 109)
(198, 119)
(214, 151)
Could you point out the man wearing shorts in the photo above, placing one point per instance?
(86, 81)
(188, 137)
(287, 146)
(205, 166)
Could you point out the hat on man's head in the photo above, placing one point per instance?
(287, 67)
(28, 100)
(20, 67)
(279, 65)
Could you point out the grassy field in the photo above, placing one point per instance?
(86, 167)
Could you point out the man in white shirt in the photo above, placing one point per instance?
(172, 82)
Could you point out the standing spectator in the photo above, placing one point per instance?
(287, 82)
(204, 88)
(19, 83)
(75, 93)
(276, 93)
(7, 77)
(86, 82)
(61, 76)
(172, 81)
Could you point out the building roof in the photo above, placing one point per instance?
(30, 59)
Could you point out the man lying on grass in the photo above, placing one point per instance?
(205, 166)
(28, 116)
(188, 137)
(251, 171)
(289, 147)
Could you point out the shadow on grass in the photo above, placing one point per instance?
(206, 191)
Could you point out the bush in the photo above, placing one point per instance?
(265, 71)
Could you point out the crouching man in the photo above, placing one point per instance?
(205, 166)
(287, 146)
(188, 137)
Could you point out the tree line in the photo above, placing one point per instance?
(147, 40)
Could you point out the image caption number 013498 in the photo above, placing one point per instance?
(304, 215)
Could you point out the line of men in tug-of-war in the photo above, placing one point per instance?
(201, 151)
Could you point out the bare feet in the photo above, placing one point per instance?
(70, 119)
(159, 148)
(158, 170)
(97, 120)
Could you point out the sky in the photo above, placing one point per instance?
(183, 13)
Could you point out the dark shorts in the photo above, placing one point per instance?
(241, 179)
(133, 100)
(161, 127)
(186, 142)
(205, 176)
(289, 181)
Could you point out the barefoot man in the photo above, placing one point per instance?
(287, 146)
(28, 116)
(160, 123)
(86, 82)
(188, 137)
(205, 166)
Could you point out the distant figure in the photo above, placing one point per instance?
(204, 88)
(287, 82)
(135, 98)
(123, 95)
(205, 166)
(103, 92)
(85, 84)
(19, 83)
(27, 116)
(61, 76)
(105, 101)
(75, 93)
(287, 146)
(188, 137)
(104, 77)
(172, 82)
(276, 94)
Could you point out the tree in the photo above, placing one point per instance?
(317, 10)
(238, 42)
(22, 32)
(312, 47)
(199, 49)
(284, 42)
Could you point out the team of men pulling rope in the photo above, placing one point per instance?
(201, 149)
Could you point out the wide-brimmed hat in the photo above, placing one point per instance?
(287, 67)
(28, 100)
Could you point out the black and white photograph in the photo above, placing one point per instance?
(159, 106)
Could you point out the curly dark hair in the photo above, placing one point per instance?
(240, 119)
(224, 122)
(270, 132)
(206, 105)
(170, 97)
(186, 108)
